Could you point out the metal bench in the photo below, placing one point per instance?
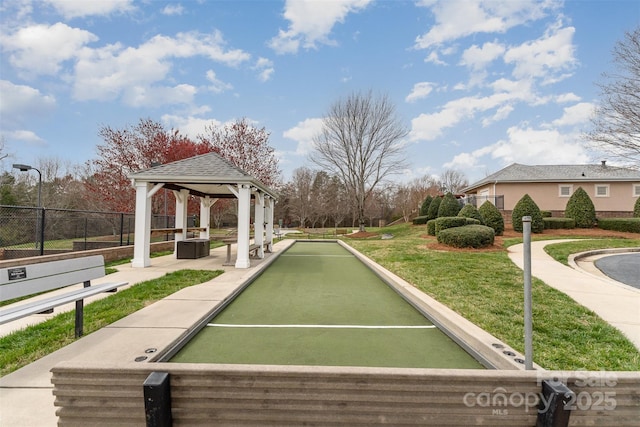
(23, 281)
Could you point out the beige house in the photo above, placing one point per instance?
(613, 190)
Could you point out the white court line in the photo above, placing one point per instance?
(319, 256)
(229, 325)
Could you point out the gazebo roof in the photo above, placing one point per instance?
(204, 175)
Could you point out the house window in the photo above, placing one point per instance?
(602, 190)
(565, 190)
(636, 190)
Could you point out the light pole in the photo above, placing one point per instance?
(25, 168)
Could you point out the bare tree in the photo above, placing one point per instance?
(299, 194)
(360, 143)
(616, 123)
(452, 181)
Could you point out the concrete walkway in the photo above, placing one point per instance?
(616, 303)
(26, 397)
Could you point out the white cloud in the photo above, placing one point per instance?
(41, 49)
(431, 126)
(173, 9)
(151, 96)
(567, 97)
(25, 136)
(576, 114)
(20, 104)
(310, 23)
(544, 57)
(265, 69)
(303, 133)
(79, 8)
(217, 86)
(113, 71)
(528, 146)
(455, 19)
(479, 57)
(189, 125)
(419, 91)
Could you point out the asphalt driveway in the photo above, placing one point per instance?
(624, 268)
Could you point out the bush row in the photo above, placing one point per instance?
(556, 223)
(631, 225)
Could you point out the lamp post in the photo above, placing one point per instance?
(25, 168)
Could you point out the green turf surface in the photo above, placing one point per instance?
(322, 284)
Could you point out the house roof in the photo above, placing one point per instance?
(204, 175)
(516, 172)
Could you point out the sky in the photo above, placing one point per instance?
(478, 84)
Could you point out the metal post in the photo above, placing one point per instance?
(42, 222)
(157, 400)
(121, 228)
(528, 321)
(554, 409)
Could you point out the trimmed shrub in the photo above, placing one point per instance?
(449, 206)
(491, 217)
(445, 222)
(545, 214)
(629, 225)
(473, 221)
(420, 220)
(580, 207)
(432, 213)
(556, 223)
(470, 211)
(431, 227)
(527, 207)
(468, 236)
(424, 208)
(636, 208)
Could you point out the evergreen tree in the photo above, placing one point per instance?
(581, 209)
(449, 206)
(432, 212)
(527, 207)
(492, 217)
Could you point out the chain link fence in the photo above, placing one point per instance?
(32, 231)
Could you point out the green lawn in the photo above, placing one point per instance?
(487, 288)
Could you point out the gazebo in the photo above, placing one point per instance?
(210, 177)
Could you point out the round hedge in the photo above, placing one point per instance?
(492, 217)
(449, 206)
(527, 207)
(581, 209)
(419, 220)
(468, 236)
(445, 222)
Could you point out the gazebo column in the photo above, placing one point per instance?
(205, 215)
(142, 242)
(244, 211)
(258, 224)
(268, 213)
(182, 199)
